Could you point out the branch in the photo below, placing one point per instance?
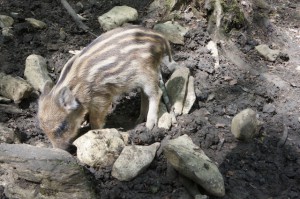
(73, 14)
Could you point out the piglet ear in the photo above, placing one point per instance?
(67, 100)
(47, 87)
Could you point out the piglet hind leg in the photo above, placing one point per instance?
(154, 94)
(143, 109)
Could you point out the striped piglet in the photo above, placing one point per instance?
(116, 62)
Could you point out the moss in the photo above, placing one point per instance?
(233, 17)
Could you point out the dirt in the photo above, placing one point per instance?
(256, 169)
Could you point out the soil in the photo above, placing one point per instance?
(259, 168)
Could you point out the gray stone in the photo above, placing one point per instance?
(49, 173)
(36, 23)
(200, 196)
(190, 161)
(99, 148)
(269, 108)
(244, 125)
(160, 4)
(7, 32)
(125, 137)
(266, 52)
(6, 21)
(176, 88)
(36, 71)
(8, 135)
(165, 118)
(14, 88)
(173, 31)
(190, 96)
(117, 16)
(133, 160)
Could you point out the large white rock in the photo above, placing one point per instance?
(189, 160)
(99, 148)
(266, 52)
(14, 88)
(6, 21)
(190, 96)
(173, 31)
(117, 16)
(133, 160)
(244, 125)
(176, 88)
(36, 71)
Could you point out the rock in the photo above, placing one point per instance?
(269, 108)
(117, 16)
(36, 71)
(133, 160)
(8, 135)
(245, 125)
(6, 21)
(190, 96)
(7, 32)
(210, 97)
(173, 31)
(212, 46)
(14, 88)
(164, 10)
(200, 196)
(266, 52)
(162, 4)
(165, 118)
(190, 161)
(176, 88)
(125, 137)
(99, 148)
(31, 172)
(36, 23)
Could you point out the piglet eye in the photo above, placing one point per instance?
(63, 127)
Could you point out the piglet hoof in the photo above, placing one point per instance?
(150, 124)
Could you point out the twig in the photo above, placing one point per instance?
(73, 14)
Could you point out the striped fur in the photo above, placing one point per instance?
(116, 62)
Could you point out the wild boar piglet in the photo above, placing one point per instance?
(116, 62)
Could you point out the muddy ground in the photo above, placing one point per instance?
(256, 169)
